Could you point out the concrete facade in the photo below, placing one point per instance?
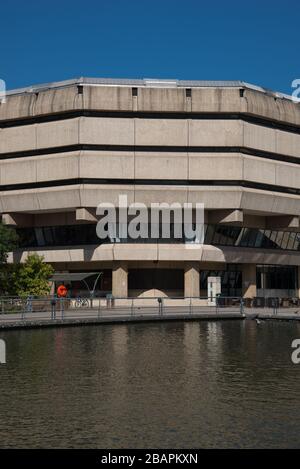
(66, 147)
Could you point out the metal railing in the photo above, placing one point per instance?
(52, 308)
(61, 309)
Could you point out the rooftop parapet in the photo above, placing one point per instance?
(148, 95)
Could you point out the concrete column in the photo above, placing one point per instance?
(120, 280)
(191, 279)
(249, 280)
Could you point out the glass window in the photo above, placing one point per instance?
(40, 237)
(273, 277)
(72, 235)
(48, 235)
(245, 237)
(209, 234)
(275, 238)
(231, 280)
(267, 242)
(292, 245)
(252, 235)
(217, 237)
(259, 239)
(285, 240)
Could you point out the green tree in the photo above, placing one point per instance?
(32, 277)
(8, 242)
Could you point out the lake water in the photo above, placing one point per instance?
(157, 385)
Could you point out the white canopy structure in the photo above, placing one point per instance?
(77, 276)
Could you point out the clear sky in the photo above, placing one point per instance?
(254, 41)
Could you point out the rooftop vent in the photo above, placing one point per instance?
(155, 82)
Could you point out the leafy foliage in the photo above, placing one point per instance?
(32, 277)
(7, 286)
(8, 242)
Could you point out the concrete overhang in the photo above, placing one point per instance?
(234, 199)
(161, 252)
(282, 222)
(231, 217)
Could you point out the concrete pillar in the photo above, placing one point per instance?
(249, 280)
(192, 280)
(120, 280)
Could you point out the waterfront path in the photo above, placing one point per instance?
(86, 316)
(108, 316)
(285, 314)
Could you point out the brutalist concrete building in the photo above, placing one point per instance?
(66, 147)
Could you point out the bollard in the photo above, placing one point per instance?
(62, 308)
(159, 306)
(132, 308)
(109, 302)
(99, 310)
(29, 304)
(23, 310)
(242, 306)
(276, 305)
(53, 308)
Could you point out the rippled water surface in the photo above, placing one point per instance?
(159, 385)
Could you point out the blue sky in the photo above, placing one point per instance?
(44, 41)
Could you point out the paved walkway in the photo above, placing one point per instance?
(122, 314)
(287, 314)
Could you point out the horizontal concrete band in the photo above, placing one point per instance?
(151, 182)
(161, 252)
(140, 134)
(152, 148)
(131, 96)
(90, 195)
(273, 124)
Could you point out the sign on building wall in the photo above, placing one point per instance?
(213, 289)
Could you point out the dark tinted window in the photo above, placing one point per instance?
(161, 279)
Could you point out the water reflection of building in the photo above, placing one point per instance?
(119, 339)
(191, 341)
(214, 336)
(202, 342)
